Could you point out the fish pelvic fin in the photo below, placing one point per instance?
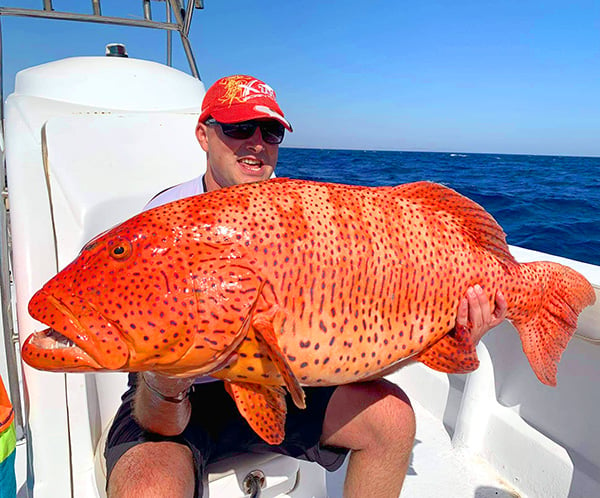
(546, 331)
(263, 407)
(453, 353)
(265, 325)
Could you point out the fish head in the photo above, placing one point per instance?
(93, 305)
(136, 298)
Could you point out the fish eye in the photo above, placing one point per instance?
(119, 249)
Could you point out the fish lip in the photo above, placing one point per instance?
(85, 345)
(38, 341)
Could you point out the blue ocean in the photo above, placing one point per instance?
(547, 203)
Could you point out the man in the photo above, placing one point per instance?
(165, 433)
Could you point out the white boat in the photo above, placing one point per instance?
(86, 141)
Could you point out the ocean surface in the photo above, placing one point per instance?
(547, 203)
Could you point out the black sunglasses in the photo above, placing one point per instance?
(272, 131)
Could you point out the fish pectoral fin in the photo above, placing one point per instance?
(265, 325)
(453, 353)
(262, 406)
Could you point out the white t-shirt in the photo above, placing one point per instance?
(186, 189)
(192, 187)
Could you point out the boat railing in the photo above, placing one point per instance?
(11, 338)
(177, 18)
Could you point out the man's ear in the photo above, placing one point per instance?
(201, 130)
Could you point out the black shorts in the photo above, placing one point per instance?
(216, 430)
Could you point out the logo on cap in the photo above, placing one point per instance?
(239, 90)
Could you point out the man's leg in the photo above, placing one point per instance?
(153, 470)
(375, 420)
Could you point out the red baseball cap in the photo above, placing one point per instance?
(240, 98)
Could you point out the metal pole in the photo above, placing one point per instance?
(190, 56)
(184, 39)
(147, 10)
(96, 7)
(1, 93)
(69, 16)
(169, 37)
(176, 6)
(48, 5)
(189, 11)
(10, 338)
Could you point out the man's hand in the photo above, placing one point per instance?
(161, 402)
(474, 312)
(173, 388)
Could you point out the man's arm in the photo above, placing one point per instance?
(161, 403)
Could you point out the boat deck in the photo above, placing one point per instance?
(437, 468)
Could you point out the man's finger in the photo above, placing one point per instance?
(500, 309)
(475, 311)
(462, 317)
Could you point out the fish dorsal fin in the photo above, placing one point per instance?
(263, 407)
(265, 325)
(459, 212)
(453, 353)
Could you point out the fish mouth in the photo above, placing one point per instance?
(76, 341)
(50, 350)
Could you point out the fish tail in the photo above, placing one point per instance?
(547, 322)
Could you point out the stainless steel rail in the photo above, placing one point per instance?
(182, 23)
(11, 339)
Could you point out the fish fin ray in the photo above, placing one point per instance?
(263, 407)
(264, 325)
(453, 353)
(466, 215)
(545, 334)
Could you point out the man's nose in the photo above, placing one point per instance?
(256, 142)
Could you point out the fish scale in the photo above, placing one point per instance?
(288, 283)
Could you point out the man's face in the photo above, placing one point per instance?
(232, 161)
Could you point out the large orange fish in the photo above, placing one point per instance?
(300, 283)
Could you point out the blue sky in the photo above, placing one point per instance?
(473, 76)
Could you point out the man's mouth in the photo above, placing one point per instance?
(251, 164)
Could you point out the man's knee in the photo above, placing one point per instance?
(390, 418)
(153, 470)
(370, 413)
